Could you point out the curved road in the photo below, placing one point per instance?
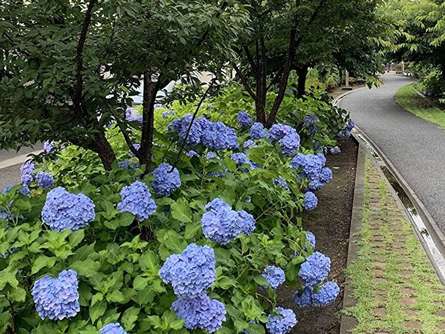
(415, 147)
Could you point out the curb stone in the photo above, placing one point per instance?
(17, 160)
(347, 322)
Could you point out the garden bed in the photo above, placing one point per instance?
(330, 222)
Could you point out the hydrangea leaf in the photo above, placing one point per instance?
(149, 262)
(225, 282)
(42, 262)
(129, 317)
(8, 277)
(76, 238)
(87, 268)
(97, 310)
(181, 211)
(18, 294)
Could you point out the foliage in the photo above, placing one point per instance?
(118, 258)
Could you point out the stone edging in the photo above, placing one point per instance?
(348, 323)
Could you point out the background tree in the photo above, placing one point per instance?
(69, 68)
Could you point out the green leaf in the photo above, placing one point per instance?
(18, 294)
(97, 310)
(87, 268)
(181, 211)
(225, 282)
(76, 237)
(129, 318)
(42, 262)
(8, 277)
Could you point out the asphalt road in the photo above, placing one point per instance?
(415, 147)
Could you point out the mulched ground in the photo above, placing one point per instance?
(330, 223)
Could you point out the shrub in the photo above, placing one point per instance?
(151, 253)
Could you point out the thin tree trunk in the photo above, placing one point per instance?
(149, 99)
(103, 148)
(302, 76)
(260, 82)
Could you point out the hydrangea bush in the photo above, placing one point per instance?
(198, 245)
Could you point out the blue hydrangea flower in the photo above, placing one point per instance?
(26, 171)
(281, 322)
(246, 222)
(44, 180)
(25, 191)
(64, 210)
(136, 199)
(310, 164)
(57, 298)
(200, 312)
(168, 113)
(137, 147)
(326, 175)
(290, 144)
(242, 159)
(257, 131)
(274, 275)
(192, 154)
(310, 201)
(4, 215)
(218, 136)
(315, 184)
(315, 269)
(181, 126)
(48, 147)
(346, 132)
(191, 272)
(281, 182)
(248, 144)
(304, 298)
(310, 123)
(166, 179)
(113, 328)
(128, 164)
(327, 294)
(278, 131)
(335, 150)
(244, 119)
(311, 238)
(211, 155)
(132, 116)
(322, 158)
(221, 224)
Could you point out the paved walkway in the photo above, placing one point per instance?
(10, 174)
(415, 147)
(393, 284)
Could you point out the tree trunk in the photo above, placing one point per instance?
(302, 76)
(103, 148)
(261, 82)
(149, 99)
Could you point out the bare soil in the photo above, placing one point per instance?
(330, 223)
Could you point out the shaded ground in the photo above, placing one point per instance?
(330, 223)
(393, 283)
(414, 146)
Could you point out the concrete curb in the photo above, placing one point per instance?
(348, 323)
(17, 160)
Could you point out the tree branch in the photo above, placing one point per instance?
(78, 88)
(244, 81)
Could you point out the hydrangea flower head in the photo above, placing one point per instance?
(304, 298)
(246, 222)
(290, 144)
(166, 179)
(257, 131)
(136, 199)
(248, 144)
(25, 191)
(181, 126)
(281, 182)
(274, 275)
(64, 210)
(327, 294)
(218, 136)
(113, 328)
(44, 180)
(310, 201)
(221, 224)
(281, 322)
(244, 119)
(48, 147)
(315, 269)
(200, 312)
(57, 298)
(310, 120)
(310, 237)
(326, 175)
(26, 171)
(211, 155)
(242, 159)
(191, 272)
(278, 131)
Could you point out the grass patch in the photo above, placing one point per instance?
(424, 108)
